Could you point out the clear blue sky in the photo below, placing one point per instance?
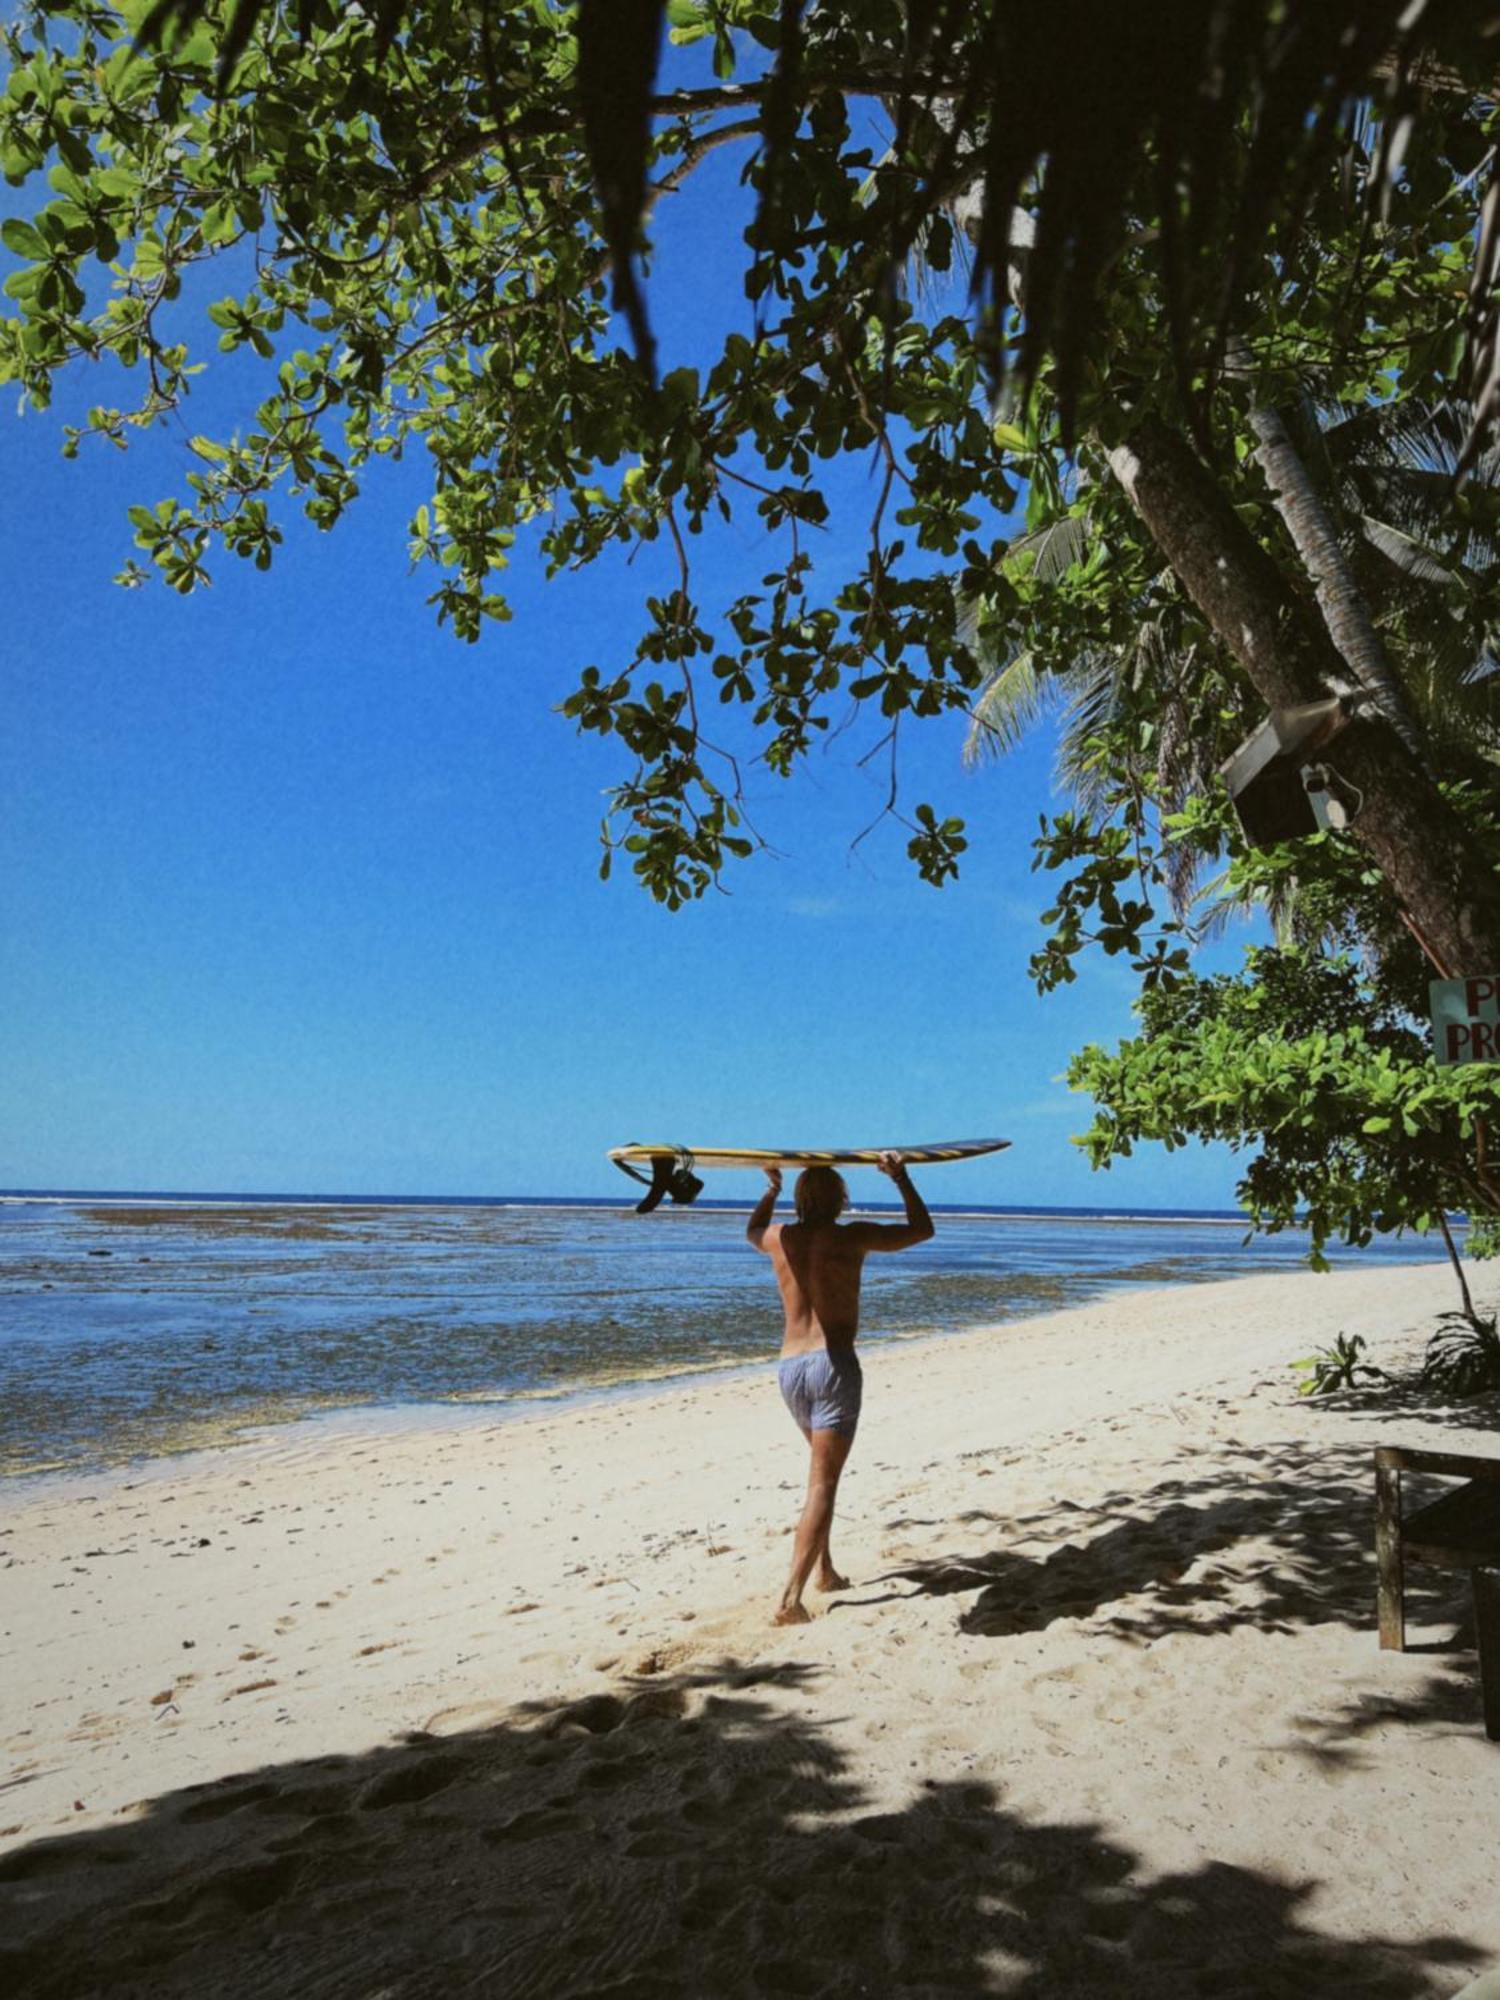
(298, 892)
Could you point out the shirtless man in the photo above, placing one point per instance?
(818, 1261)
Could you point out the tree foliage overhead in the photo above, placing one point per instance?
(413, 273)
(1211, 114)
(416, 210)
(1235, 259)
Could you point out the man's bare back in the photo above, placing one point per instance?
(819, 1265)
(818, 1262)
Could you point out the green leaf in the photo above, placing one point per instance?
(220, 223)
(25, 241)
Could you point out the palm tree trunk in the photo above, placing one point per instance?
(1439, 877)
(1316, 540)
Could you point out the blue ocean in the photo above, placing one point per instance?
(132, 1326)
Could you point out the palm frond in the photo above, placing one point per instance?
(1009, 703)
(1409, 555)
(1054, 549)
(1096, 685)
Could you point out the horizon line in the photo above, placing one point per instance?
(308, 1199)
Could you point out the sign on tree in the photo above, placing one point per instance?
(1466, 1019)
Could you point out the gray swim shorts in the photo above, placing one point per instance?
(822, 1390)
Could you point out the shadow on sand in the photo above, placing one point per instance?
(1408, 1400)
(694, 1835)
(1279, 1535)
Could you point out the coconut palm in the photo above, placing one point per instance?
(1425, 556)
(1427, 553)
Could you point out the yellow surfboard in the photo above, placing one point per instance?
(672, 1167)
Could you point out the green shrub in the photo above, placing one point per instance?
(1463, 1356)
(1482, 1237)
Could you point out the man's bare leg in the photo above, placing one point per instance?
(825, 1576)
(829, 1451)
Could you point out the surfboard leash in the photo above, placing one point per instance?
(671, 1174)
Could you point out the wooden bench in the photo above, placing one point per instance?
(1461, 1530)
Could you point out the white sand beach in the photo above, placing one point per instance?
(500, 1709)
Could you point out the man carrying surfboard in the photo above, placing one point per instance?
(818, 1262)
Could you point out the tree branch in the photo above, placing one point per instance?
(1315, 538)
(1404, 824)
(669, 104)
(1225, 571)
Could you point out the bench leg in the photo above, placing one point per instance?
(1487, 1629)
(1388, 1562)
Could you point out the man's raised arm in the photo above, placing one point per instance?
(918, 1225)
(760, 1218)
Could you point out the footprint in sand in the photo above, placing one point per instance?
(788, 1976)
(469, 1715)
(595, 1715)
(225, 1803)
(603, 1777)
(704, 1812)
(661, 1659)
(422, 1779)
(248, 1890)
(538, 1824)
(61, 1858)
(661, 1842)
(315, 1802)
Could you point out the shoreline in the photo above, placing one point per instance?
(1110, 1626)
(369, 1421)
(458, 1413)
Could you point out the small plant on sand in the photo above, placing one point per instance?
(1463, 1356)
(1338, 1367)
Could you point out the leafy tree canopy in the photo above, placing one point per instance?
(1315, 1054)
(424, 218)
(413, 245)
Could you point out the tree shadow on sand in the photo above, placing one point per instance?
(1407, 1400)
(1280, 1536)
(681, 1837)
(1335, 1737)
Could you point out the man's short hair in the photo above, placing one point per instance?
(820, 1195)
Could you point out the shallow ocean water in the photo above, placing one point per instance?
(129, 1328)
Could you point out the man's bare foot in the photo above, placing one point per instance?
(792, 1614)
(829, 1579)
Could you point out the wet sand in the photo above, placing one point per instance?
(500, 1709)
